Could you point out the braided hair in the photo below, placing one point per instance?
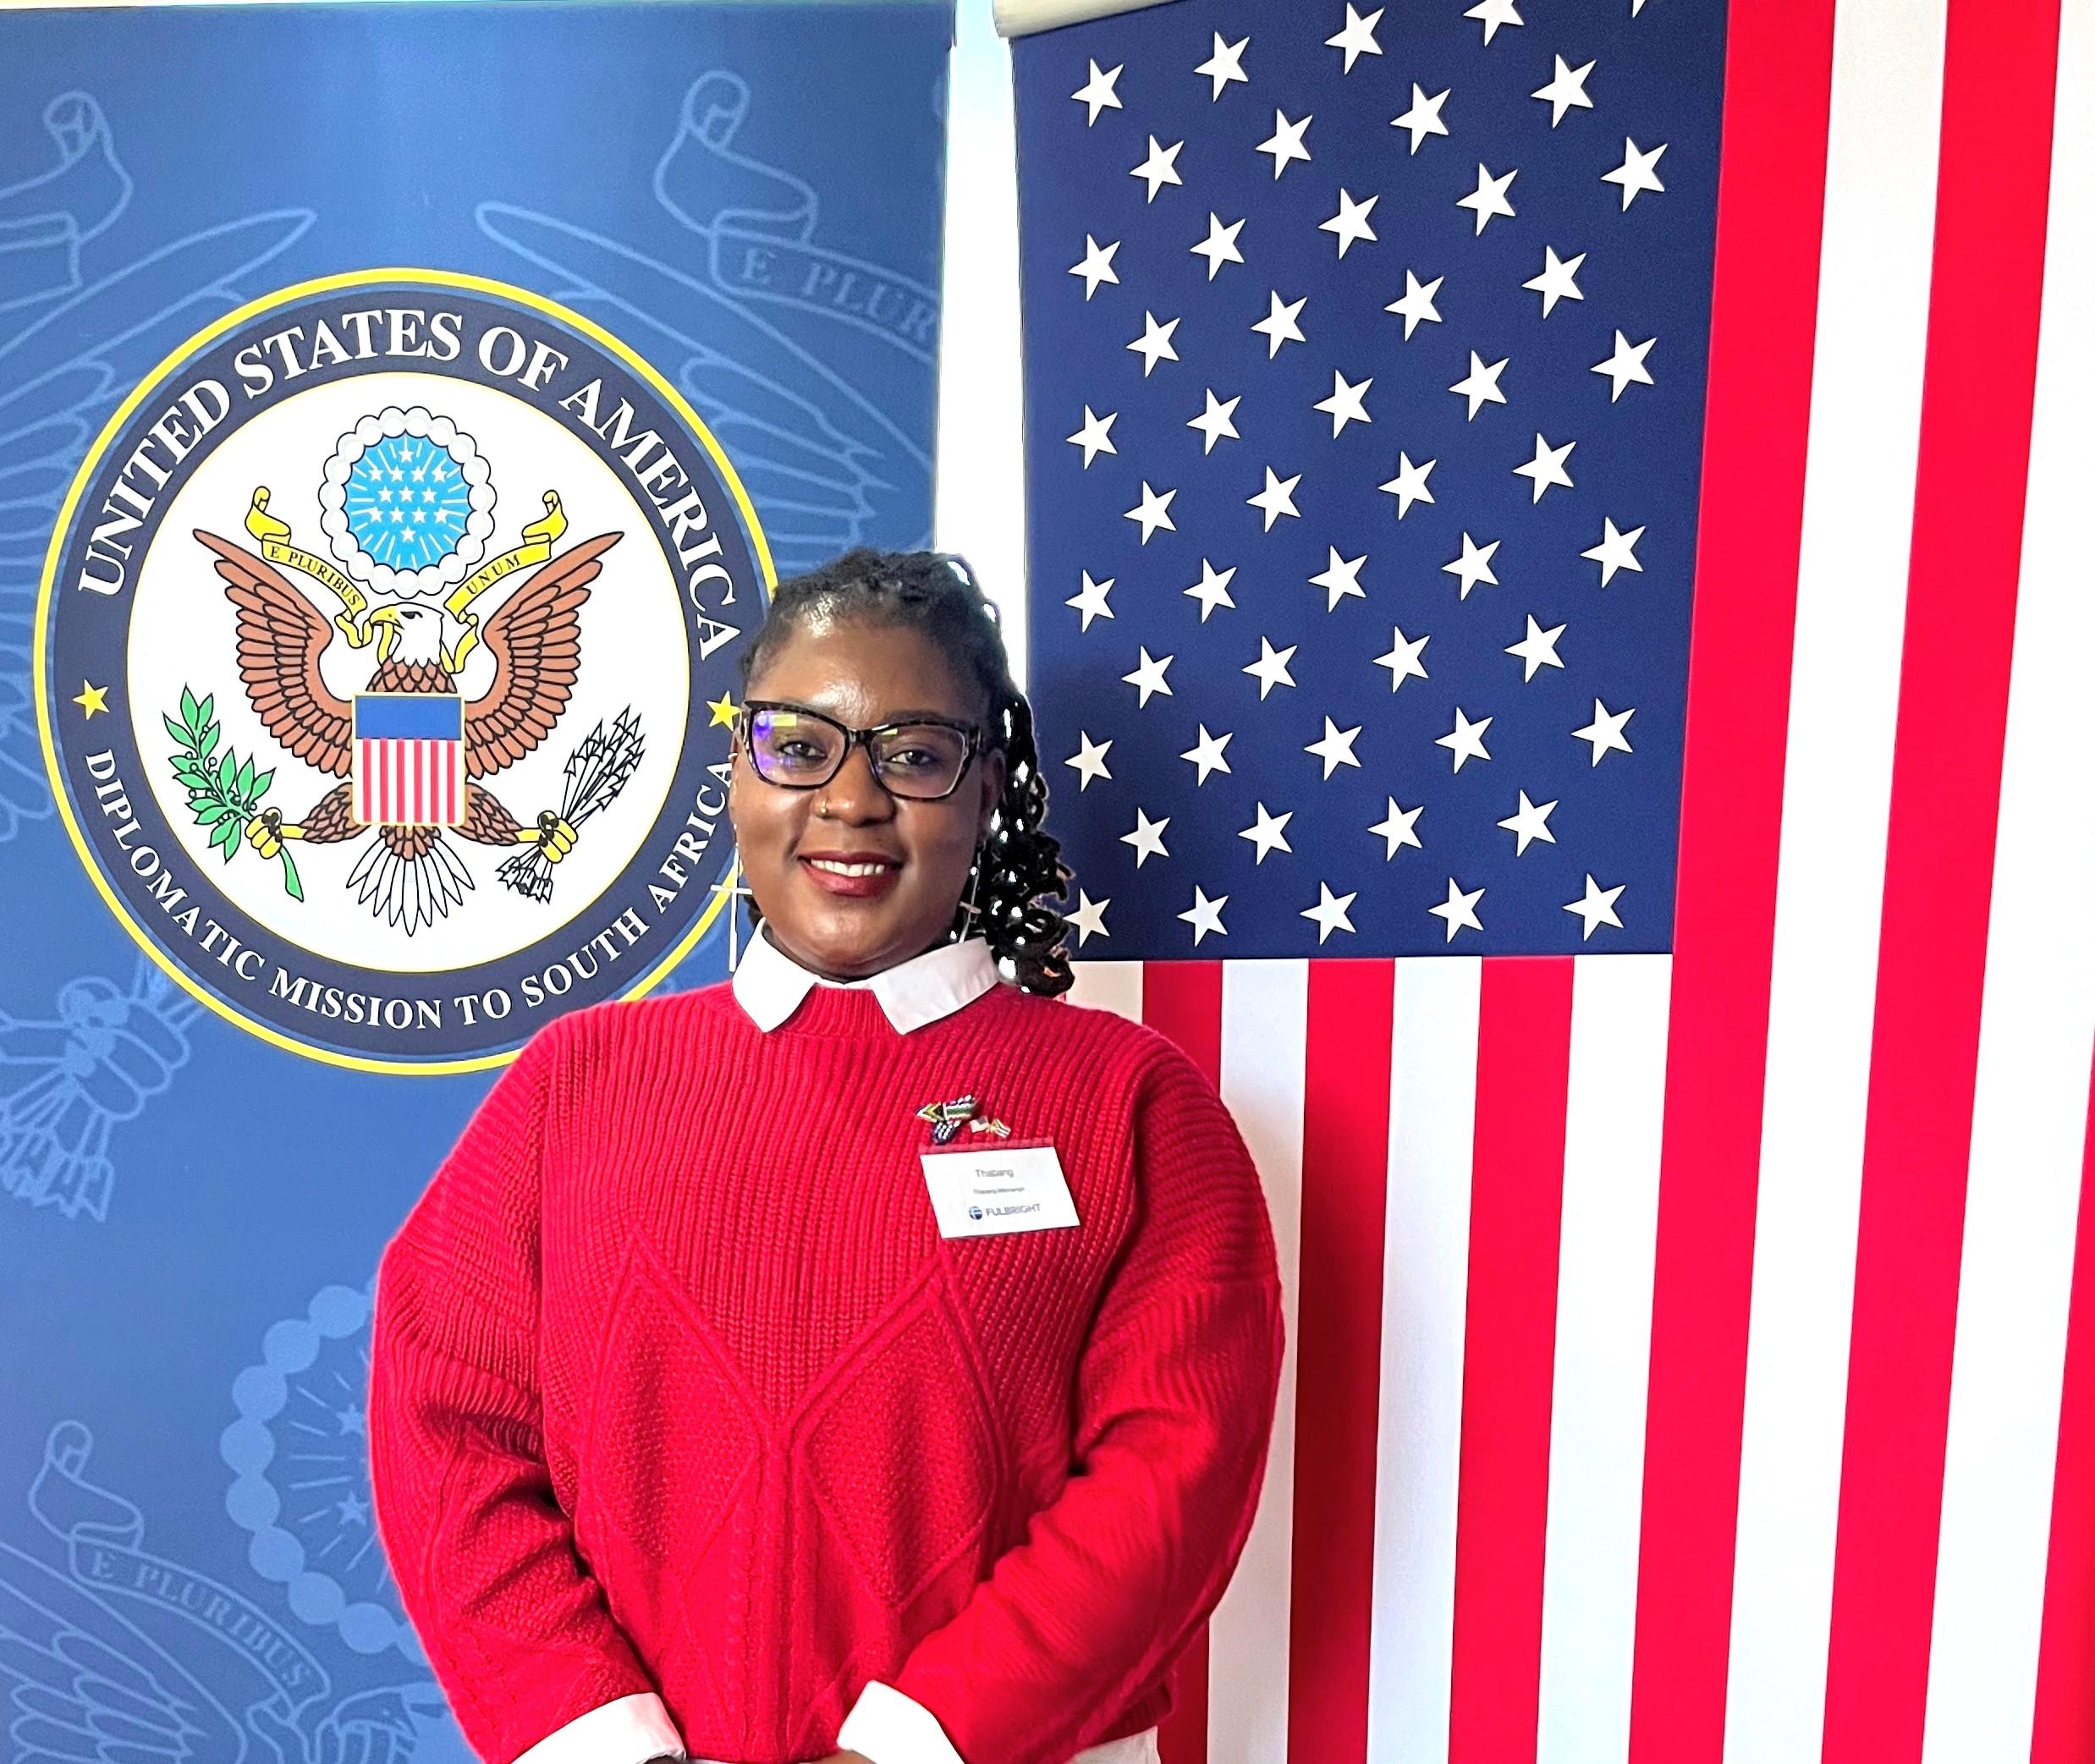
(1017, 864)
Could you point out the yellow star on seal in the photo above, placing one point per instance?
(92, 699)
(723, 711)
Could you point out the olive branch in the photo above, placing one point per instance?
(224, 791)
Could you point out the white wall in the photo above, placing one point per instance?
(980, 505)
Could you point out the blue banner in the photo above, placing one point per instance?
(404, 412)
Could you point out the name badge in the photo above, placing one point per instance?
(990, 1191)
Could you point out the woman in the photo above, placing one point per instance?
(868, 1358)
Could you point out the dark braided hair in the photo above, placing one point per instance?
(1017, 864)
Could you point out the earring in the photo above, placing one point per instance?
(971, 907)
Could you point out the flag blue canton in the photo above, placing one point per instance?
(1365, 368)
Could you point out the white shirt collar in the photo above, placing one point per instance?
(769, 985)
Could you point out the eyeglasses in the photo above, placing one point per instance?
(797, 749)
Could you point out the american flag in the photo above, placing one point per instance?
(1558, 613)
(411, 758)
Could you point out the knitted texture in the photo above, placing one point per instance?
(674, 1385)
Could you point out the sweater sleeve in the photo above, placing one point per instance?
(1174, 1410)
(515, 1626)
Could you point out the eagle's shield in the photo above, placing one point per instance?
(409, 768)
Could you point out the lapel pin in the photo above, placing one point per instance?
(947, 1119)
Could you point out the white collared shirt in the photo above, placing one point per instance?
(769, 984)
(883, 1725)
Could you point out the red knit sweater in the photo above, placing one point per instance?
(675, 1385)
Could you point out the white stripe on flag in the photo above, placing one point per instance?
(1426, 1261)
(1265, 1033)
(1875, 259)
(1615, 1107)
(1115, 987)
(2036, 1033)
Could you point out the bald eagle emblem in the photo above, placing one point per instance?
(408, 513)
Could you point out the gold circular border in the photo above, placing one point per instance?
(211, 333)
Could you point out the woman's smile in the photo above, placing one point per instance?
(861, 879)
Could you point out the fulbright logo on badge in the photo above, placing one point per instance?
(385, 663)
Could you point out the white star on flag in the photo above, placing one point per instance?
(1423, 117)
(1598, 908)
(1546, 468)
(1160, 167)
(1495, 13)
(1356, 37)
(1330, 911)
(1206, 915)
(1090, 761)
(1625, 366)
(1269, 833)
(1277, 498)
(1154, 344)
(1635, 174)
(1271, 668)
(1459, 910)
(1096, 265)
(1212, 590)
(1147, 838)
(1095, 437)
(1206, 754)
(1604, 732)
(1220, 246)
(1402, 657)
(1089, 918)
(1566, 91)
(1394, 829)
(1284, 144)
(1090, 600)
(1417, 307)
(1556, 282)
(1489, 199)
(1465, 740)
(1617, 550)
(1349, 225)
(1225, 66)
(1279, 326)
(1409, 485)
(1153, 511)
(1215, 423)
(1148, 678)
(1344, 405)
(1096, 93)
(1340, 578)
(1473, 566)
(1528, 823)
(1335, 746)
(1538, 649)
(1479, 385)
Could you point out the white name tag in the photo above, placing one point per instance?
(988, 1191)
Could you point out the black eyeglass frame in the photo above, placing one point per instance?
(852, 738)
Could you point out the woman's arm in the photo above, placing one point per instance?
(516, 1627)
(1175, 1396)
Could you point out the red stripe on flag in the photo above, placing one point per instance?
(363, 784)
(1183, 1000)
(1345, 1157)
(2064, 1730)
(421, 774)
(1509, 1336)
(1778, 87)
(1986, 290)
